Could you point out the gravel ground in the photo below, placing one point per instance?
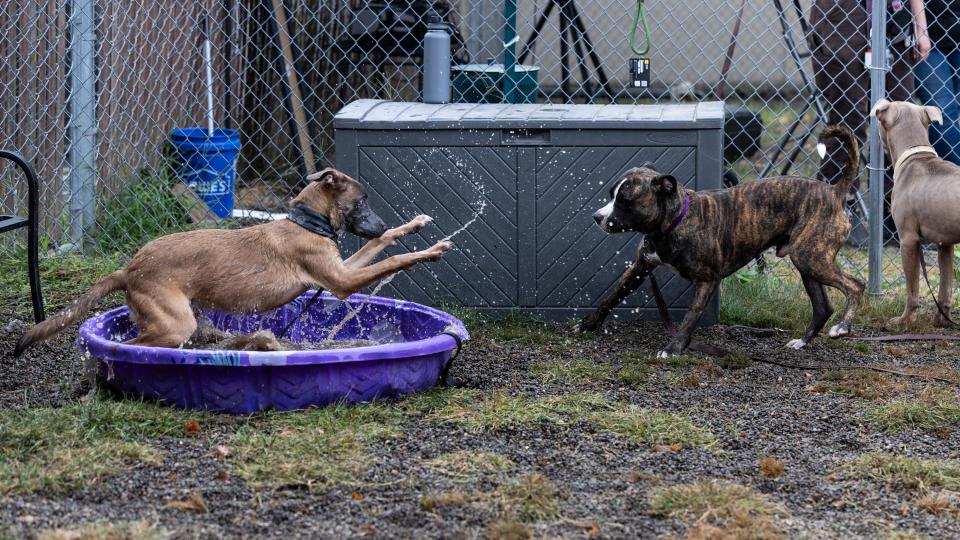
(603, 481)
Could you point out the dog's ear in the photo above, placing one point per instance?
(664, 184)
(328, 178)
(880, 107)
(933, 114)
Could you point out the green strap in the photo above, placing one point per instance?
(640, 19)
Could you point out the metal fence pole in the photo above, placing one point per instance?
(878, 72)
(82, 129)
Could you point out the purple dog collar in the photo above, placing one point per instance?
(683, 212)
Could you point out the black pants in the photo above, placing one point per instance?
(838, 43)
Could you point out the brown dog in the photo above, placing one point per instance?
(926, 197)
(252, 269)
(706, 236)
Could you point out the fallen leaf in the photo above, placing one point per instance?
(221, 475)
(357, 496)
(194, 503)
(369, 530)
(663, 448)
(771, 467)
(676, 447)
(838, 504)
(222, 452)
(192, 426)
(904, 510)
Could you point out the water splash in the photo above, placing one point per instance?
(353, 311)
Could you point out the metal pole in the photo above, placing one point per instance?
(510, 51)
(878, 72)
(82, 129)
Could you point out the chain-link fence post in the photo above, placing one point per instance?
(878, 73)
(82, 129)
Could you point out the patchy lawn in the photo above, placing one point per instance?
(558, 435)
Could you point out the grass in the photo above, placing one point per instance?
(734, 360)
(143, 210)
(54, 450)
(861, 383)
(62, 278)
(941, 502)
(136, 530)
(316, 448)
(909, 472)
(936, 409)
(530, 497)
(563, 371)
(479, 412)
(777, 300)
(722, 509)
(467, 465)
(523, 499)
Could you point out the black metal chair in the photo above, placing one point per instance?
(10, 223)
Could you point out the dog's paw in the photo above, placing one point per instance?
(586, 325)
(663, 354)
(796, 344)
(839, 330)
(418, 223)
(902, 322)
(436, 251)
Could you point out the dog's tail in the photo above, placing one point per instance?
(83, 304)
(852, 149)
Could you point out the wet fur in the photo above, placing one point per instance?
(723, 230)
(244, 270)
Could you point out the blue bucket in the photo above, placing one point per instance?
(208, 164)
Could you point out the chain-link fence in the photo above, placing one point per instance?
(90, 90)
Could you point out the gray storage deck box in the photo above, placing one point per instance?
(543, 170)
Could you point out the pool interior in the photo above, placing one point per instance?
(379, 320)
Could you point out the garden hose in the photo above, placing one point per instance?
(640, 19)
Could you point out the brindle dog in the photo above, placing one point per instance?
(724, 230)
(253, 269)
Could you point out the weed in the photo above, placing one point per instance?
(480, 412)
(59, 449)
(634, 374)
(136, 530)
(734, 360)
(314, 448)
(508, 530)
(913, 473)
(528, 498)
(935, 410)
(570, 371)
(468, 465)
(861, 383)
(143, 210)
(771, 467)
(736, 510)
(430, 503)
(940, 502)
(653, 427)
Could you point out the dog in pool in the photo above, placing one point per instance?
(252, 269)
(706, 236)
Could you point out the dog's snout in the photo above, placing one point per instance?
(598, 217)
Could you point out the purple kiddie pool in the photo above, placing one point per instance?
(416, 345)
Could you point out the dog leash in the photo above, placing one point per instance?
(713, 350)
(309, 303)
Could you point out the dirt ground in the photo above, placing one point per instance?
(591, 470)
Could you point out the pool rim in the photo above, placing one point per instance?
(90, 340)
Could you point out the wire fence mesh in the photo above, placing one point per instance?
(90, 90)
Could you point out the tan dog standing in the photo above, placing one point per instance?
(253, 269)
(926, 198)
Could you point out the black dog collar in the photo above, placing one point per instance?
(312, 221)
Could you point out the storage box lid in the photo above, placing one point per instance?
(379, 114)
